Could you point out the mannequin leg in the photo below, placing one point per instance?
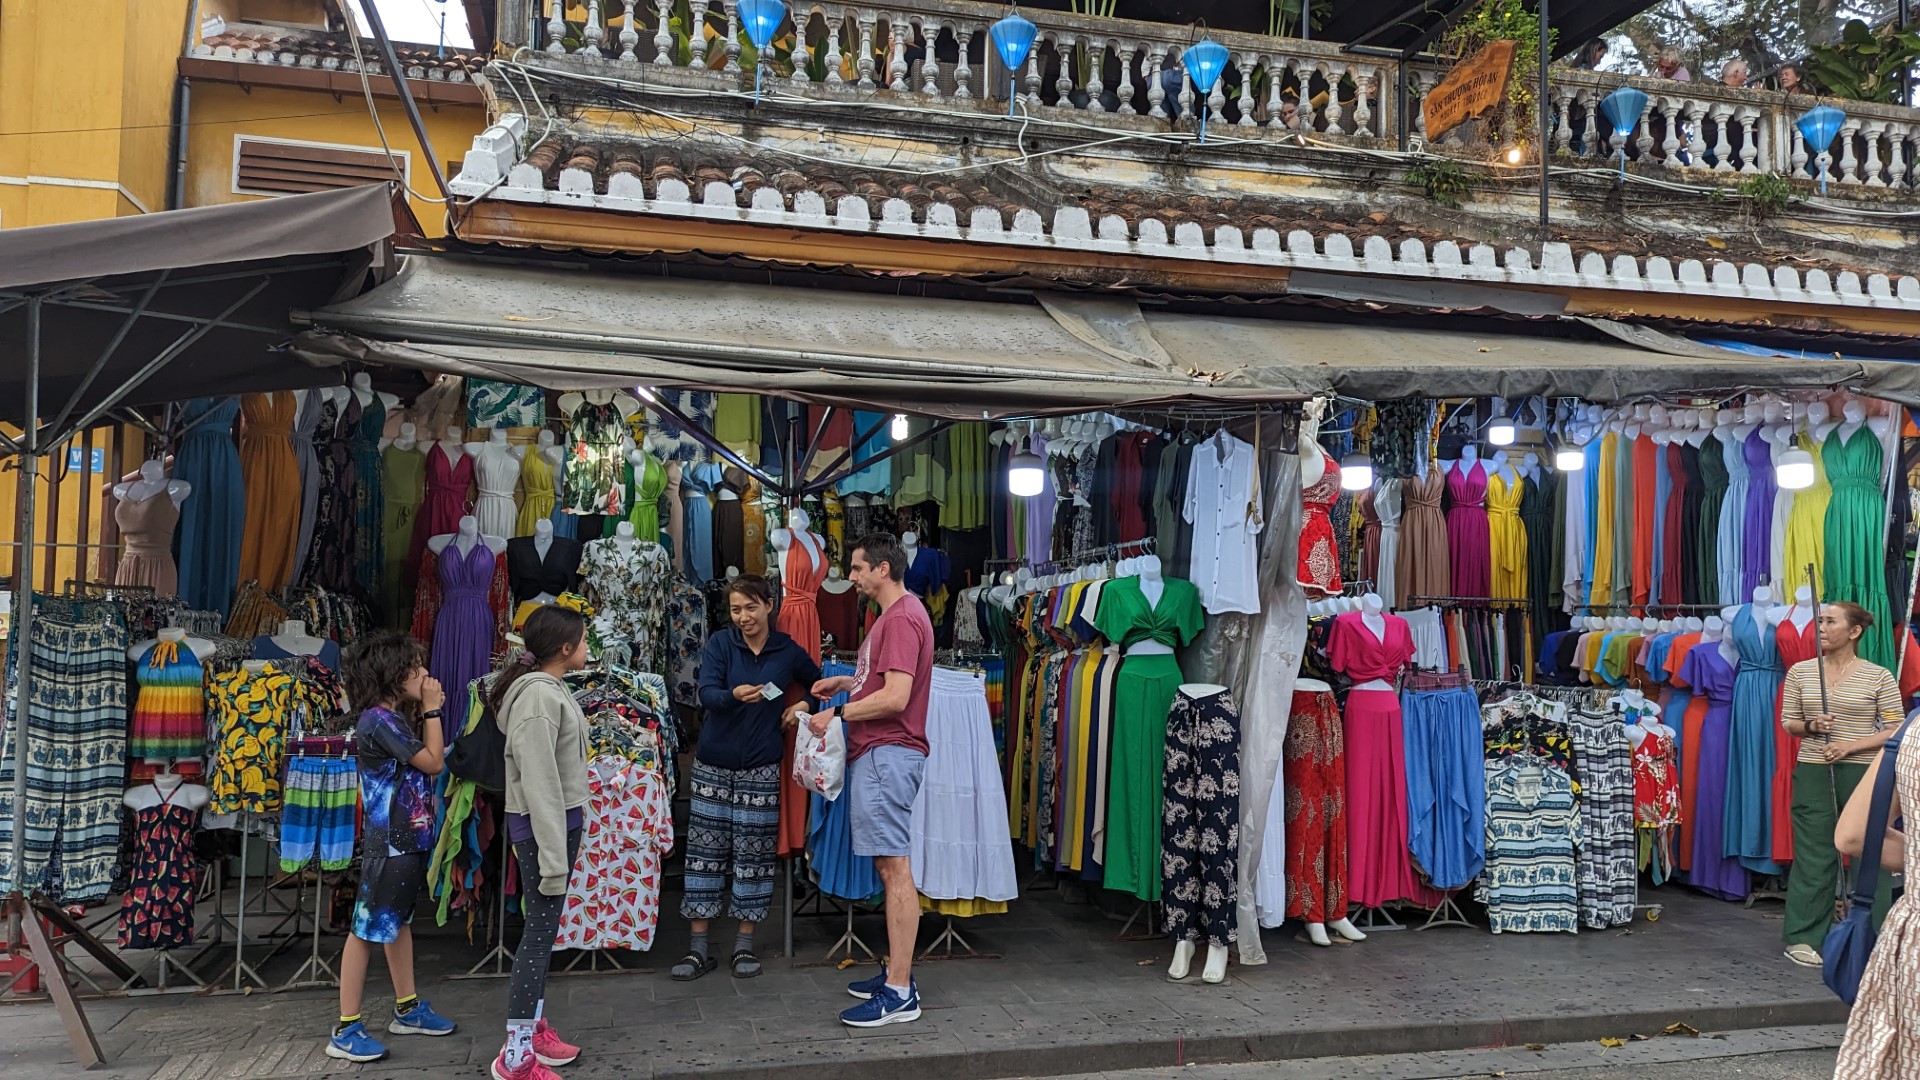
(1182, 960)
(1346, 929)
(1216, 969)
(1317, 933)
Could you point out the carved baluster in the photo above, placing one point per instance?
(1421, 83)
(1068, 49)
(1873, 133)
(697, 33)
(1096, 67)
(963, 71)
(1032, 80)
(930, 67)
(629, 36)
(1156, 94)
(836, 25)
(802, 49)
(1848, 163)
(1364, 85)
(594, 33)
(1697, 135)
(733, 37)
(1276, 71)
(1185, 98)
(557, 27)
(1247, 64)
(1721, 116)
(1217, 101)
(1125, 89)
(1749, 140)
(1591, 143)
(1897, 156)
(865, 60)
(663, 37)
(1670, 146)
(898, 31)
(1334, 111)
(1563, 129)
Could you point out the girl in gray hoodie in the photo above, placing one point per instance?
(546, 738)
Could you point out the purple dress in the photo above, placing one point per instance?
(1468, 539)
(1756, 522)
(1709, 673)
(463, 629)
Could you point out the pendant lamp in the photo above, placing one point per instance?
(1623, 109)
(1206, 61)
(899, 428)
(1818, 127)
(1026, 473)
(1501, 431)
(1794, 470)
(761, 20)
(1012, 40)
(1356, 472)
(1569, 458)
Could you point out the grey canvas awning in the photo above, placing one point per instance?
(574, 329)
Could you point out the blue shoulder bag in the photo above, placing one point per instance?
(1844, 955)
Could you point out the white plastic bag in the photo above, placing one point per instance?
(820, 761)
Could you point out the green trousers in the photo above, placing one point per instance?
(1813, 878)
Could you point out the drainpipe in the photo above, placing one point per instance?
(182, 109)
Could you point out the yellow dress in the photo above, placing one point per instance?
(1601, 590)
(537, 492)
(1508, 535)
(1807, 522)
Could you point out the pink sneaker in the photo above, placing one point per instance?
(550, 1048)
(532, 1070)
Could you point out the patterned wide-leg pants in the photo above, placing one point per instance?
(733, 827)
(1200, 818)
(1314, 766)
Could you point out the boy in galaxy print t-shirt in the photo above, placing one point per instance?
(387, 681)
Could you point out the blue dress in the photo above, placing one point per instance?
(836, 869)
(1729, 541)
(1713, 872)
(1756, 689)
(696, 488)
(214, 513)
(875, 479)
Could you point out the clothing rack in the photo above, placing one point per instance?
(1628, 609)
(1517, 603)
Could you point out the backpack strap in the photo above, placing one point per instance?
(1867, 881)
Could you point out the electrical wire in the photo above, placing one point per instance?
(366, 88)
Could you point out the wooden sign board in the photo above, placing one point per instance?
(1475, 85)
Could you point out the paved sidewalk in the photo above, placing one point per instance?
(1065, 998)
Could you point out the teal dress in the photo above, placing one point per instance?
(1748, 823)
(1856, 536)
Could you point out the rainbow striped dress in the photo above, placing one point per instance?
(170, 715)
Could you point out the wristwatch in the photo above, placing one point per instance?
(430, 714)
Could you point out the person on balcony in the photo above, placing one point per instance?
(1591, 55)
(1668, 66)
(1735, 73)
(1789, 80)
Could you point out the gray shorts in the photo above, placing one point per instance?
(882, 783)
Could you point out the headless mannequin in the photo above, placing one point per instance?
(623, 539)
(1469, 457)
(1716, 630)
(469, 535)
(629, 405)
(497, 441)
(455, 444)
(812, 544)
(407, 440)
(543, 543)
(1820, 422)
(1802, 610)
(363, 389)
(1503, 464)
(1373, 617)
(153, 480)
(1531, 466)
(1215, 970)
(544, 443)
(336, 394)
(170, 788)
(909, 543)
(293, 637)
(200, 647)
(837, 584)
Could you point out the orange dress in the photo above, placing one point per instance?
(1691, 723)
(1795, 645)
(1645, 464)
(799, 619)
(271, 476)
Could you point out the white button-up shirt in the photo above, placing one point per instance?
(1223, 506)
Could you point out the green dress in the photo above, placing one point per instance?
(404, 478)
(1856, 537)
(649, 481)
(1143, 696)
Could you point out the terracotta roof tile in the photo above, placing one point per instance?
(331, 51)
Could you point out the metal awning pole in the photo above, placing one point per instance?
(23, 601)
(1544, 106)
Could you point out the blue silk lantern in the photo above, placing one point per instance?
(1623, 109)
(1013, 40)
(761, 20)
(1818, 127)
(1206, 61)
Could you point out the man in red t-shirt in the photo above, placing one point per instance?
(886, 717)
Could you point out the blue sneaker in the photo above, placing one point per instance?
(420, 1020)
(866, 988)
(886, 1006)
(354, 1044)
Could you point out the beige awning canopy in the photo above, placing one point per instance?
(567, 328)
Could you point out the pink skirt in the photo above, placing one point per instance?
(1379, 866)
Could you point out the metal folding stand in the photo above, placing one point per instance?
(315, 971)
(1772, 888)
(1151, 910)
(593, 958)
(499, 956)
(1376, 920)
(156, 977)
(949, 937)
(1446, 913)
(850, 941)
(242, 972)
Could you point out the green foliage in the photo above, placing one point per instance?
(1766, 194)
(1865, 64)
(1283, 16)
(1494, 20)
(1442, 179)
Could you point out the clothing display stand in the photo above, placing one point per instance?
(1149, 908)
(156, 980)
(1377, 919)
(499, 957)
(593, 959)
(315, 971)
(850, 941)
(61, 930)
(1772, 888)
(950, 937)
(243, 972)
(786, 911)
(1446, 913)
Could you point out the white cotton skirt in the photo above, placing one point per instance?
(961, 848)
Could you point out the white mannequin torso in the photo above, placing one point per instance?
(167, 788)
(200, 647)
(468, 535)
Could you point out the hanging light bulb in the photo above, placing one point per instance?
(1500, 431)
(1794, 470)
(1569, 458)
(1026, 473)
(898, 429)
(1356, 472)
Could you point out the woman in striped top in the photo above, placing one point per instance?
(1862, 710)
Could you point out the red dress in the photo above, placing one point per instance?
(1379, 864)
(1469, 538)
(1645, 462)
(799, 619)
(1795, 645)
(1313, 767)
(1319, 558)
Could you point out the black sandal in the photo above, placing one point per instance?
(741, 958)
(692, 966)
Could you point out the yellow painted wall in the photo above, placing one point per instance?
(221, 111)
